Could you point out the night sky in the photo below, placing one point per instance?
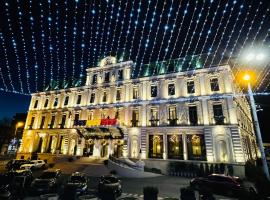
(49, 41)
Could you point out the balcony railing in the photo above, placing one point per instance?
(219, 120)
(134, 123)
(172, 122)
(154, 122)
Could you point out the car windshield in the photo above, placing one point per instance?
(77, 179)
(32, 162)
(110, 179)
(48, 175)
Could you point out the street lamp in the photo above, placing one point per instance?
(247, 78)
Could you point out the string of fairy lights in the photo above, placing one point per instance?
(47, 42)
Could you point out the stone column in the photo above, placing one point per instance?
(165, 146)
(185, 151)
(205, 112)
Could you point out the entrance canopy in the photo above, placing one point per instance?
(103, 133)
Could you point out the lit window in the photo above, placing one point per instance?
(190, 87)
(171, 89)
(135, 93)
(172, 116)
(118, 94)
(154, 117)
(153, 91)
(104, 99)
(214, 84)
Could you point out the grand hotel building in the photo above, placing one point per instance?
(169, 111)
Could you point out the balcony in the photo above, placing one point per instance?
(154, 122)
(219, 120)
(134, 123)
(172, 122)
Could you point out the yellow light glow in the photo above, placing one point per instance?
(20, 124)
(246, 77)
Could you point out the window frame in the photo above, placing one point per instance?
(190, 90)
(214, 85)
(169, 90)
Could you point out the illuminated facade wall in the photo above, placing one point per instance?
(183, 115)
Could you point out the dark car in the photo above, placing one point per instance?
(47, 182)
(109, 185)
(76, 185)
(16, 164)
(5, 187)
(221, 184)
(20, 178)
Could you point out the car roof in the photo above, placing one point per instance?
(77, 174)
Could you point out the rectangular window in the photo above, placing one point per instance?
(218, 114)
(175, 147)
(214, 84)
(172, 116)
(155, 146)
(196, 147)
(91, 116)
(190, 87)
(135, 118)
(42, 122)
(79, 98)
(36, 104)
(92, 98)
(32, 122)
(120, 75)
(63, 122)
(153, 91)
(135, 93)
(104, 99)
(171, 89)
(193, 118)
(118, 95)
(66, 101)
(46, 103)
(55, 102)
(52, 121)
(107, 77)
(77, 117)
(154, 117)
(94, 79)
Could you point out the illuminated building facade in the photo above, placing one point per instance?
(174, 110)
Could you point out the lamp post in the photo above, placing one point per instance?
(247, 78)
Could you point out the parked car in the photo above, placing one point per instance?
(5, 187)
(20, 178)
(47, 182)
(34, 164)
(16, 164)
(109, 185)
(78, 181)
(222, 184)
